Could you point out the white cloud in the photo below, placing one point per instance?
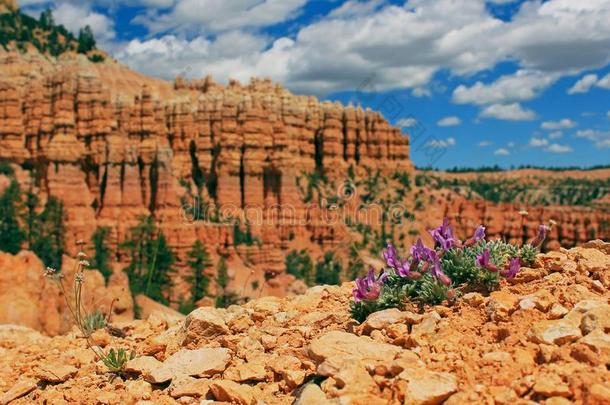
(523, 85)
(421, 92)
(510, 112)
(601, 139)
(441, 143)
(484, 144)
(538, 142)
(557, 148)
(356, 8)
(510, 144)
(501, 152)
(604, 82)
(339, 51)
(201, 16)
(407, 122)
(402, 45)
(564, 123)
(608, 114)
(555, 135)
(449, 121)
(584, 84)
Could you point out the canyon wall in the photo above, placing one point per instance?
(115, 146)
(185, 154)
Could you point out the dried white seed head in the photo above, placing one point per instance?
(524, 213)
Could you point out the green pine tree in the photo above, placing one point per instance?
(86, 40)
(11, 235)
(151, 261)
(49, 242)
(328, 271)
(300, 265)
(224, 298)
(199, 261)
(102, 255)
(30, 217)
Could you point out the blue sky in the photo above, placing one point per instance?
(475, 82)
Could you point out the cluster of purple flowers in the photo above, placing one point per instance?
(423, 259)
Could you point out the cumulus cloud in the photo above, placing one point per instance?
(200, 16)
(604, 82)
(601, 139)
(441, 143)
(538, 142)
(555, 135)
(449, 121)
(510, 112)
(584, 84)
(564, 123)
(523, 85)
(547, 40)
(484, 144)
(407, 122)
(502, 152)
(557, 148)
(608, 114)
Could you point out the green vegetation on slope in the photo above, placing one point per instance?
(19, 30)
(537, 191)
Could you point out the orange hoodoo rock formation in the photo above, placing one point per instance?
(240, 148)
(114, 145)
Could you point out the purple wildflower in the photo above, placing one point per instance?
(391, 257)
(408, 270)
(543, 231)
(484, 261)
(443, 235)
(369, 287)
(436, 270)
(420, 252)
(479, 234)
(514, 265)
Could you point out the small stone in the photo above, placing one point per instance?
(503, 395)
(311, 394)
(427, 387)
(138, 389)
(205, 322)
(144, 365)
(23, 387)
(339, 345)
(599, 342)
(501, 305)
(383, 319)
(101, 337)
(55, 373)
(203, 362)
(473, 299)
(555, 332)
(557, 401)
(185, 386)
(230, 391)
(557, 311)
(599, 394)
(497, 357)
(551, 386)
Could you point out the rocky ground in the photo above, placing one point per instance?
(543, 338)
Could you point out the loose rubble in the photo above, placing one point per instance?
(535, 340)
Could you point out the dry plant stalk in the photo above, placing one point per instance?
(113, 360)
